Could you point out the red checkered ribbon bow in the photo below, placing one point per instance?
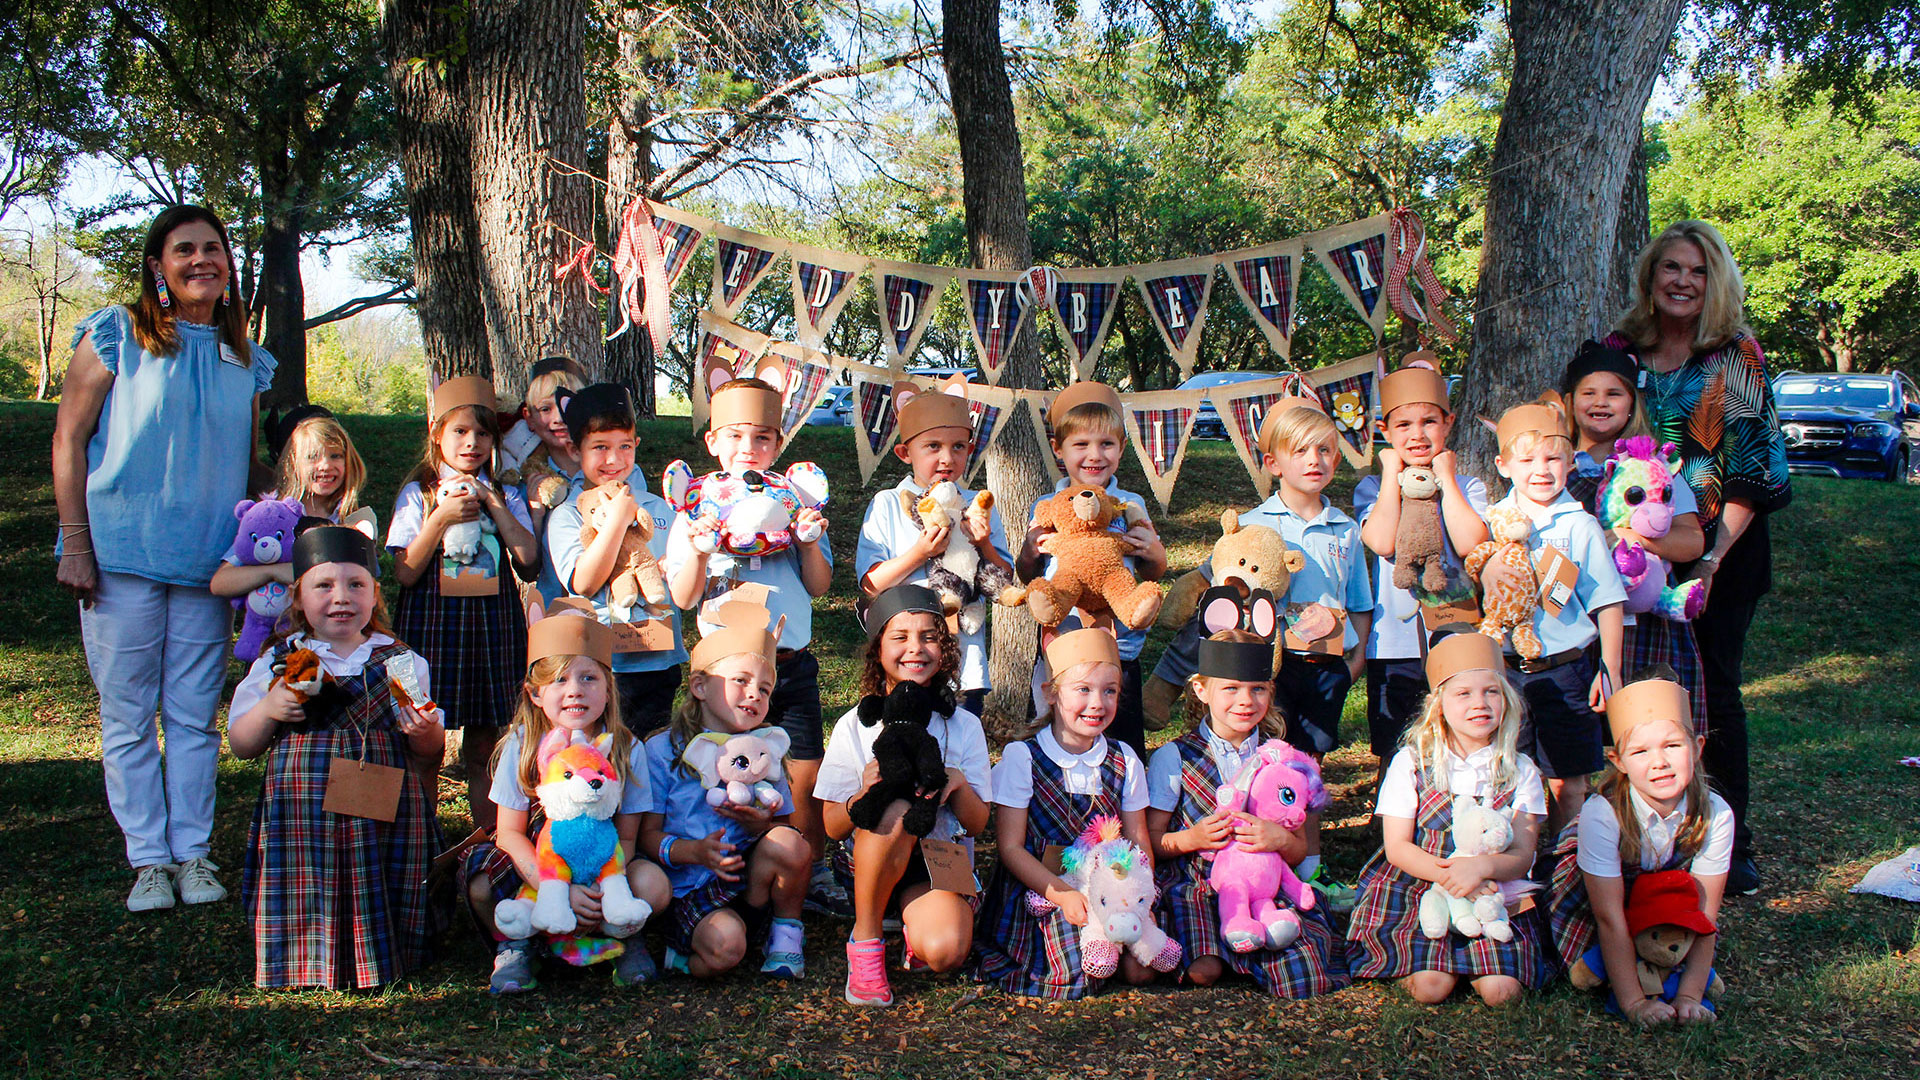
(1407, 238)
(640, 264)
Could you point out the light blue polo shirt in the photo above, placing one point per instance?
(1566, 525)
(1131, 641)
(681, 800)
(1396, 630)
(1335, 574)
(780, 573)
(888, 531)
(562, 551)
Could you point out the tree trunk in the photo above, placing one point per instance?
(431, 133)
(1631, 231)
(527, 114)
(995, 198)
(283, 294)
(629, 357)
(1582, 74)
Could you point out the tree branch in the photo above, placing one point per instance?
(399, 294)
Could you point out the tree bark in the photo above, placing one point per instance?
(1583, 72)
(283, 295)
(629, 357)
(527, 113)
(431, 130)
(1631, 232)
(995, 199)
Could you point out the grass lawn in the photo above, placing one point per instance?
(1821, 983)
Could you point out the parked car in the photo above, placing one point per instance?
(1856, 426)
(1209, 425)
(835, 408)
(935, 373)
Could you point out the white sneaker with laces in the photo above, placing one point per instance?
(197, 883)
(152, 889)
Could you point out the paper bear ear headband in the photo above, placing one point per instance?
(1649, 699)
(1091, 645)
(921, 408)
(1467, 650)
(756, 405)
(474, 390)
(567, 628)
(1222, 608)
(1417, 380)
(1084, 392)
(1545, 415)
(742, 629)
(337, 543)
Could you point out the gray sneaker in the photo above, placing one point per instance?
(513, 969)
(825, 896)
(197, 884)
(635, 966)
(152, 889)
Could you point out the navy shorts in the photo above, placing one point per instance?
(646, 698)
(1559, 731)
(1395, 691)
(796, 705)
(1311, 690)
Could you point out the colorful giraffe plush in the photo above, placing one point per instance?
(1635, 504)
(1509, 609)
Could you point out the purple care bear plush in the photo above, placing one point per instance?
(1281, 785)
(265, 538)
(1635, 503)
(756, 510)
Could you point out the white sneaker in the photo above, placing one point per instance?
(197, 883)
(152, 889)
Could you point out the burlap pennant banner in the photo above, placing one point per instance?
(1243, 407)
(1267, 278)
(1084, 302)
(823, 282)
(1160, 424)
(874, 422)
(991, 407)
(1347, 391)
(1176, 294)
(680, 234)
(996, 310)
(1356, 255)
(1036, 402)
(906, 294)
(723, 343)
(804, 378)
(741, 260)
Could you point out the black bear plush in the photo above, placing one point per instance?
(911, 767)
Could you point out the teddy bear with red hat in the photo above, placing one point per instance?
(1664, 919)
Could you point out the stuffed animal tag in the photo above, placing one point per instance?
(1317, 628)
(747, 592)
(949, 865)
(363, 789)
(517, 444)
(1558, 577)
(1463, 610)
(644, 635)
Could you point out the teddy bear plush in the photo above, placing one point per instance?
(1657, 907)
(1635, 504)
(1112, 874)
(578, 792)
(1419, 544)
(265, 538)
(740, 770)
(1280, 784)
(636, 573)
(461, 541)
(1090, 571)
(1477, 830)
(755, 510)
(544, 487)
(964, 580)
(1509, 610)
(911, 768)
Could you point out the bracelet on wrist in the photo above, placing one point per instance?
(666, 850)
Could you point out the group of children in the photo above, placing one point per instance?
(336, 862)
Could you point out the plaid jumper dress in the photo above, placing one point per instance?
(1190, 910)
(1569, 911)
(1039, 955)
(339, 901)
(1384, 940)
(476, 645)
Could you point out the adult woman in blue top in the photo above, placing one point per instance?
(150, 453)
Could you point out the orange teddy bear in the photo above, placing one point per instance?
(1090, 572)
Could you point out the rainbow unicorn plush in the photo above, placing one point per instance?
(1635, 503)
(1117, 881)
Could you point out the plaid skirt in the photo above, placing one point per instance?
(1654, 640)
(476, 647)
(1027, 954)
(1314, 964)
(1569, 911)
(505, 883)
(687, 912)
(1384, 939)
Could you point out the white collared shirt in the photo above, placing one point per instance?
(1600, 836)
(963, 746)
(1013, 777)
(259, 676)
(1165, 768)
(410, 507)
(1471, 775)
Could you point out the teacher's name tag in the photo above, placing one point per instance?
(363, 789)
(949, 865)
(228, 356)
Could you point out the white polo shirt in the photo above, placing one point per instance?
(1013, 777)
(1471, 776)
(963, 746)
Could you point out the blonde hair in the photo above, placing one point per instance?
(543, 385)
(1299, 426)
(1618, 790)
(1090, 416)
(1429, 735)
(1524, 443)
(294, 620)
(689, 720)
(313, 434)
(1722, 310)
(1050, 687)
(530, 720)
(1272, 726)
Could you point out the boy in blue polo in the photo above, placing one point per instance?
(1581, 601)
(600, 423)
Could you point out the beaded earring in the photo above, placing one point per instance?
(160, 286)
(226, 294)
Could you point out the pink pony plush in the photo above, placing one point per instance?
(1281, 785)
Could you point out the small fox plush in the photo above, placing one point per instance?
(579, 792)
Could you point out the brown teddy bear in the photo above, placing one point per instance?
(1510, 609)
(1419, 551)
(636, 572)
(1090, 572)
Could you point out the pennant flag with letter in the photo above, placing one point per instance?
(1346, 391)
(991, 408)
(1036, 402)
(740, 261)
(680, 234)
(1268, 281)
(1160, 425)
(1177, 294)
(822, 284)
(1084, 302)
(997, 307)
(723, 343)
(875, 423)
(906, 294)
(1356, 255)
(1243, 407)
(804, 378)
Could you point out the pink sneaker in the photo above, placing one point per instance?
(867, 973)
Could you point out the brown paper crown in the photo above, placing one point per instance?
(743, 629)
(1414, 383)
(463, 390)
(1649, 699)
(569, 629)
(1089, 646)
(1543, 417)
(1270, 427)
(1084, 392)
(931, 407)
(1460, 652)
(757, 404)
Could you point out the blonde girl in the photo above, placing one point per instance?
(908, 642)
(317, 467)
(567, 688)
(1462, 747)
(731, 867)
(545, 477)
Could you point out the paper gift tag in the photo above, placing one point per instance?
(1464, 610)
(725, 591)
(481, 577)
(1558, 576)
(1050, 858)
(517, 444)
(1317, 628)
(363, 789)
(949, 865)
(645, 635)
